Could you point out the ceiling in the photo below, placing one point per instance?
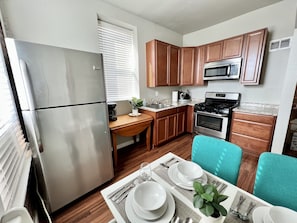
(185, 16)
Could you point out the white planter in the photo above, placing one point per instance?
(135, 111)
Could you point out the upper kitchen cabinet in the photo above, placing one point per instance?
(187, 66)
(174, 54)
(214, 51)
(192, 64)
(254, 47)
(224, 49)
(232, 47)
(199, 65)
(162, 64)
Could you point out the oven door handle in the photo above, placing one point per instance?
(211, 114)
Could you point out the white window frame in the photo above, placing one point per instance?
(112, 92)
(15, 157)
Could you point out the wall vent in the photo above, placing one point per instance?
(280, 44)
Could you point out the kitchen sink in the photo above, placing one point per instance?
(158, 106)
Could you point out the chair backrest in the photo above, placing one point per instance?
(276, 180)
(217, 156)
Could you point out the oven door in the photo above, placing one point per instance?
(211, 124)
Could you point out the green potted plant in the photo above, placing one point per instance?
(136, 103)
(208, 200)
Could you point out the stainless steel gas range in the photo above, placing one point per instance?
(213, 116)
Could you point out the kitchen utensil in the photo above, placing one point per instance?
(188, 220)
(235, 210)
(245, 216)
(123, 194)
(175, 219)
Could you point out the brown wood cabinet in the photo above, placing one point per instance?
(252, 132)
(224, 49)
(199, 66)
(192, 66)
(181, 120)
(190, 118)
(214, 51)
(167, 124)
(169, 65)
(162, 64)
(187, 66)
(254, 47)
(174, 64)
(232, 47)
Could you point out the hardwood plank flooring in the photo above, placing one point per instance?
(92, 208)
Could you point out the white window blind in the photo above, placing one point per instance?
(117, 46)
(14, 156)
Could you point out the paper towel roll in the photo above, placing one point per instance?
(174, 96)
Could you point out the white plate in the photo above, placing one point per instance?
(134, 218)
(134, 115)
(259, 213)
(149, 215)
(173, 176)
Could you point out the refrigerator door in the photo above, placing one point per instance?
(58, 76)
(77, 153)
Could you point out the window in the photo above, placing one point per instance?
(14, 156)
(117, 44)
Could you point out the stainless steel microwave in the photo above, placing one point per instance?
(222, 70)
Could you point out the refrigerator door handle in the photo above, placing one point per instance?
(96, 68)
(30, 101)
(37, 133)
(26, 82)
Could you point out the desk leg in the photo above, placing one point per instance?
(115, 151)
(148, 138)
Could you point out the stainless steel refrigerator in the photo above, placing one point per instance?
(63, 102)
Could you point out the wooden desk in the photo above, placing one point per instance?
(130, 126)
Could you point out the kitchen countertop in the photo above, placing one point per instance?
(173, 105)
(254, 108)
(261, 109)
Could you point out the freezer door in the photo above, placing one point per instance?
(77, 153)
(58, 76)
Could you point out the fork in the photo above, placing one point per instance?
(244, 216)
(234, 211)
(121, 193)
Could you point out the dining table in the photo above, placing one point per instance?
(118, 196)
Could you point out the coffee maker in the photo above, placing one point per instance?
(112, 112)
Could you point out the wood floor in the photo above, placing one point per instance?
(91, 208)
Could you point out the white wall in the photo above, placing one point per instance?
(73, 24)
(280, 20)
(287, 95)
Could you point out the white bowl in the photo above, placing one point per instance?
(149, 215)
(189, 170)
(149, 196)
(277, 214)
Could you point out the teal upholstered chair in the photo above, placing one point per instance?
(217, 156)
(276, 180)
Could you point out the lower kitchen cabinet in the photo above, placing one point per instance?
(190, 119)
(252, 132)
(167, 123)
(181, 120)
